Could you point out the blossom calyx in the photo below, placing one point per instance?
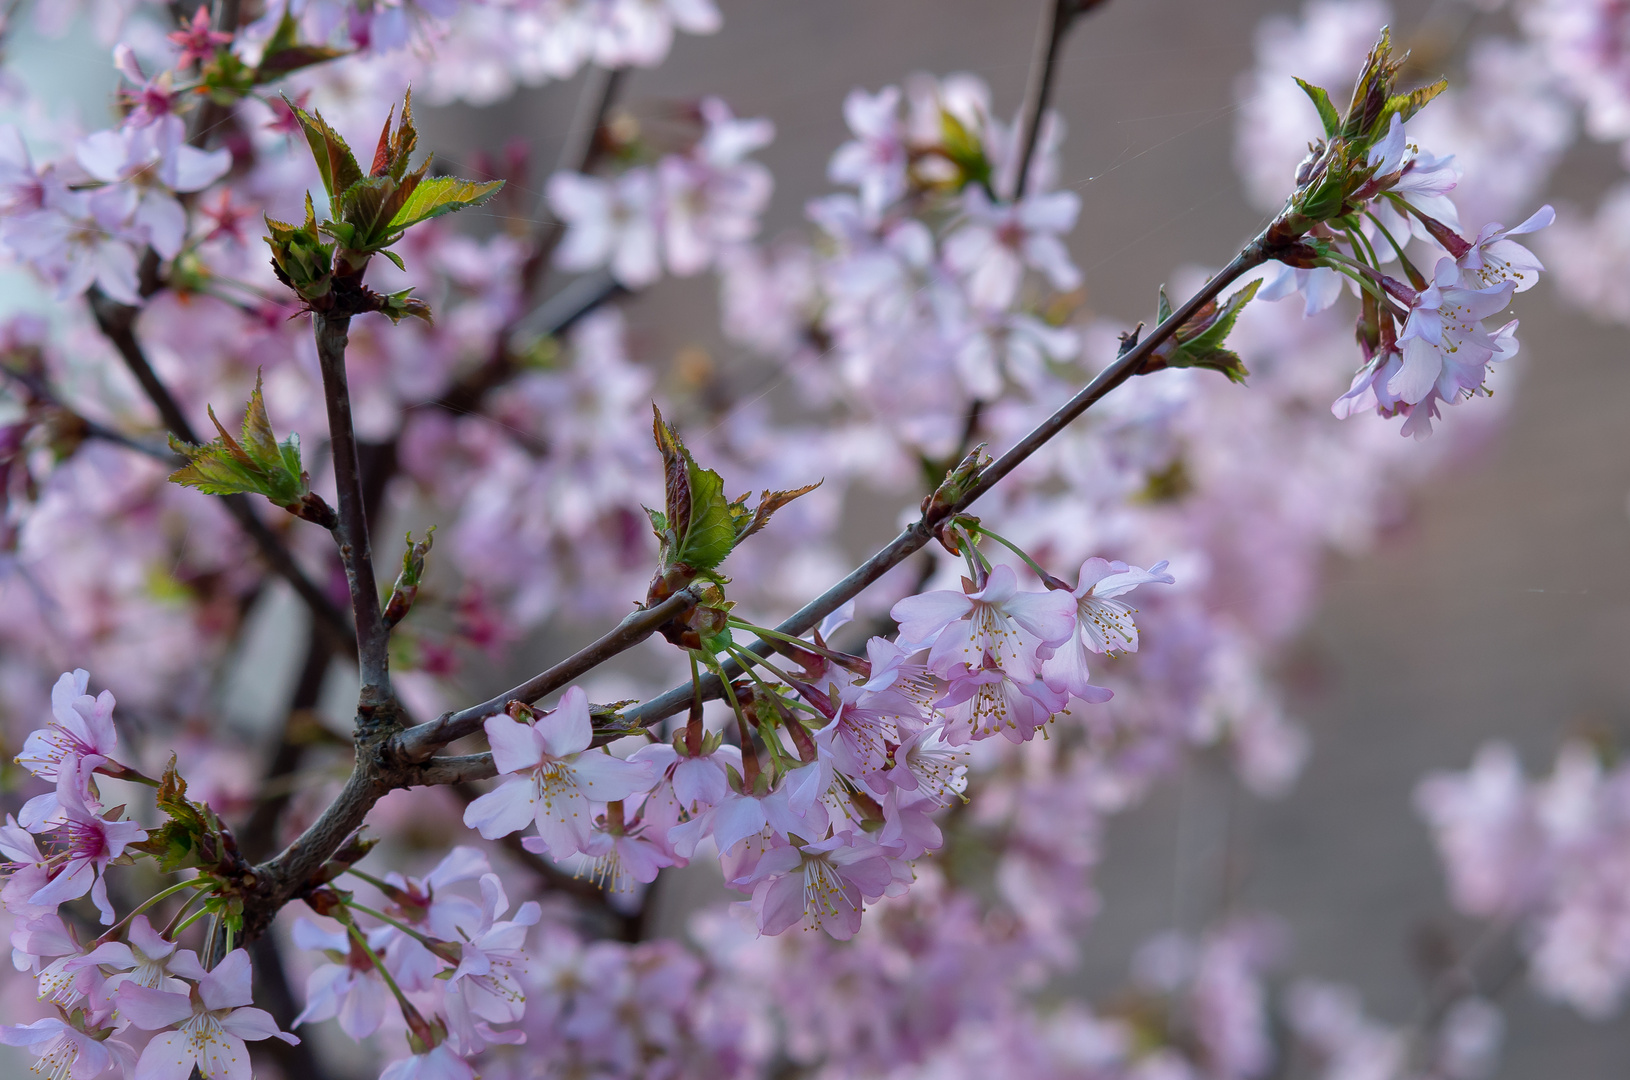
(939, 507)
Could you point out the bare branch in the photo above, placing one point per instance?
(418, 743)
(373, 640)
(1057, 18)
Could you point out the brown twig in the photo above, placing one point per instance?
(1057, 18)
(356, 555)
(418, 743)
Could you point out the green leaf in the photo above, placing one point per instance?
(392, 152)
(441, 195)
(254, 464)
(1199, 343)
(712, 530)
(1163, 307)
(1327, 110)
(965, 150)
(335, 162)
(1407, 105)
(1213, 336)
(397, 306)
(365, 206)
(300, 258)
(675, 480)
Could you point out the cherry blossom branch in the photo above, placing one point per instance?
(937, 510)
(418, 743)
(373, 640)
(117, 323)
(384, 764)
(1057, 18)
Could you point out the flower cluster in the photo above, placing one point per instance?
(133, 978)
(682, 212)
(858, 753)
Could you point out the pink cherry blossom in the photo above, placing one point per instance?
(197, 38)
(1103, 623)
(1494, 258)
(875, 161)
(350, 987)
(822, 886)
(998, 624)
(26, 871)
(90, 841)
(791, 806)
(438, 1063)
(999, 241)
(552, 777)
(79, 737)
(211, 1021)
(1444, 341)
(66, 1052)
(712, 198)
(981, 702)
(489, 983)
(608, 223)
(928, 763)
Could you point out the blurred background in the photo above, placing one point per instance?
(1498, 605)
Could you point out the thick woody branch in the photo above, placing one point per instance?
(117, 323)
(917, 535)
(418, 743)
(373, 640)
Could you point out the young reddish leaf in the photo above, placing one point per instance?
(335, 162)
(768, 503)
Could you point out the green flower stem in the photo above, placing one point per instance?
(1361, 246)
(370, 879)
(1416, 278)
(428, 942)
(747, 659)
(379, 966)
(694, 731)
(194, 917)
(1011, 546)
(766, 632)
(173, 929)
(113, 931)
(1364, 275)
(749, 755)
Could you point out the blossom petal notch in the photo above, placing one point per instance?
(255, 464)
